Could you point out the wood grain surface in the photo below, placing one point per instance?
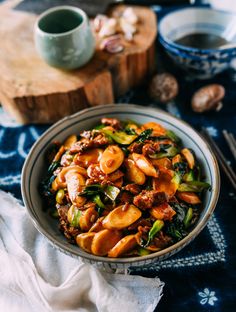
(33, 92)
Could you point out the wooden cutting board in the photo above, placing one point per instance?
(33, 92)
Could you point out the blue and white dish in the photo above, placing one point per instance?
(35, 168)
(202, 63)
(201, 67)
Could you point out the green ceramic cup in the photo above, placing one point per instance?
(63, 37)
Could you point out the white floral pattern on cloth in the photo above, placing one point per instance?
(207, 297)
(212, 131)
(232, 195)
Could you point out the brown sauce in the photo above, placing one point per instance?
(202, 41)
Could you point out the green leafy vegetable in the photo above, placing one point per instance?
(143, 252)
(60, 196)
(45, 187)
(127, 123)
(76, 214)
(188, 217)
(99, 127)
(176, 230)
(176, 178)
(181, 167)
(193, 186)
(52, 151)
(91, 190)
(157, 226)
(180, 210)
(95, 189)
(170, 152)
(160, 138)
(54, 214)
(130, 131)
(126, 151)
(112, 192)
(197, 171)
(120, 137)
(145, 135)
(189, 176)
(164, 147)
(99, 203)
(54, 165)
(170, 134)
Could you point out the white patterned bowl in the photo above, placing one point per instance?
(201, 63)
(34, 169)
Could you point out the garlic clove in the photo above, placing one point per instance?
(128, 36)
(130, 16)
(99, 21)
(108, 40)
(112, 44)
(108, 28)
(126, 26)
(115, 48)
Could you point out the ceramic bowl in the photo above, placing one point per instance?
(202, 63)
(35, 168)
(63, 37)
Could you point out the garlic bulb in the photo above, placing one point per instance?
(130, 16)
(108, 28)
(112, 44)
(99, 21)
(127, 28)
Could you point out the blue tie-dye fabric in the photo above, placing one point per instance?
(201, 277)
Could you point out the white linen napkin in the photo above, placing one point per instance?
(34, 276)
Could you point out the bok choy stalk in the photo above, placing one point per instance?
(143, 252)
(97, 200)
(157, 226)
(120, 137)
(193, 186)
(180, 169)
(73, 216)
(188, 217)
(171, 151)
(170, 134)
(111, 192)
(189, 176)
(91, 190)
(96, 189)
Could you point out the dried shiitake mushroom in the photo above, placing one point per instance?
(163, 87)
(208, 98)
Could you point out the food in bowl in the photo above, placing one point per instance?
(123, 189)
(198, 40)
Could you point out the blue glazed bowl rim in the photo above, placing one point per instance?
(190, 49)
(185, 55)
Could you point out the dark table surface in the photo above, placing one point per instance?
(201, 277)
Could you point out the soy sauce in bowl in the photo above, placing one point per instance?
(202, 41)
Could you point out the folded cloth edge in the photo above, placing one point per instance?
(116, 288)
